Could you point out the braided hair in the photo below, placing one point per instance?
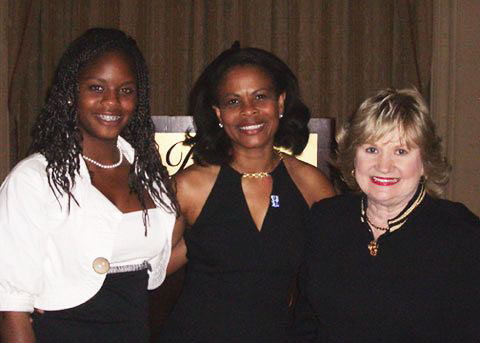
(56, 135)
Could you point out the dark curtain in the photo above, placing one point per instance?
(341, 50)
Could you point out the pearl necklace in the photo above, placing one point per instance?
(261, 175)
(105, 166)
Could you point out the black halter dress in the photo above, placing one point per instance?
(238, 278)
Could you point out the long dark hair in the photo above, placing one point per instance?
(211, 144)
(56, 135)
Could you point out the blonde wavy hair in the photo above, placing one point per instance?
(388, 110)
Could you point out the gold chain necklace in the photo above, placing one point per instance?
(258, 175)
(261, 175)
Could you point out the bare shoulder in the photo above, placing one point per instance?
(311, 181)
(193, 185)
(196, 174)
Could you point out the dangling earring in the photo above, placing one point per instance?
(220, 125)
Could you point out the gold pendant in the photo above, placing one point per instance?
(373, 248)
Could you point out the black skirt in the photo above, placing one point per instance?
(117, 313)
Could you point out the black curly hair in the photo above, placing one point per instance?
(55, 133)
(210, 143)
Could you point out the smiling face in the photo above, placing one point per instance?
(388, 171)
(107, 97)
(248, 107)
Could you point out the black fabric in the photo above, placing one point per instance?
(238, 278)
(117, 313)
(423, 286)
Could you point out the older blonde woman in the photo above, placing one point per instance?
(392, 262)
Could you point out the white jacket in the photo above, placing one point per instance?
(46, 253)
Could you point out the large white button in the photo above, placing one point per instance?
(101, 265)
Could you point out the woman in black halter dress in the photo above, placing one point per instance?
(243, 203)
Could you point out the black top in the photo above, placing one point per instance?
(238, 278)
(423, 285)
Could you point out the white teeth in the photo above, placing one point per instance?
(388, 180)
(108, 117)
(251, 127)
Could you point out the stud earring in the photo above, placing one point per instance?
(69, 102)
(220, 125)
(353, 172)
(281, 115)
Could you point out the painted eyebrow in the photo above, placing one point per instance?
(269, 89)
(255, 91)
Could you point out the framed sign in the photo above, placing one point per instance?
(170, 134)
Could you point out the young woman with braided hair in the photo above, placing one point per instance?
(86, 220)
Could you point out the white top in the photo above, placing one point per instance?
(131, 246)
(46, 252)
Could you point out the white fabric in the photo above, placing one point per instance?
(131, 246)
(46, 253)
